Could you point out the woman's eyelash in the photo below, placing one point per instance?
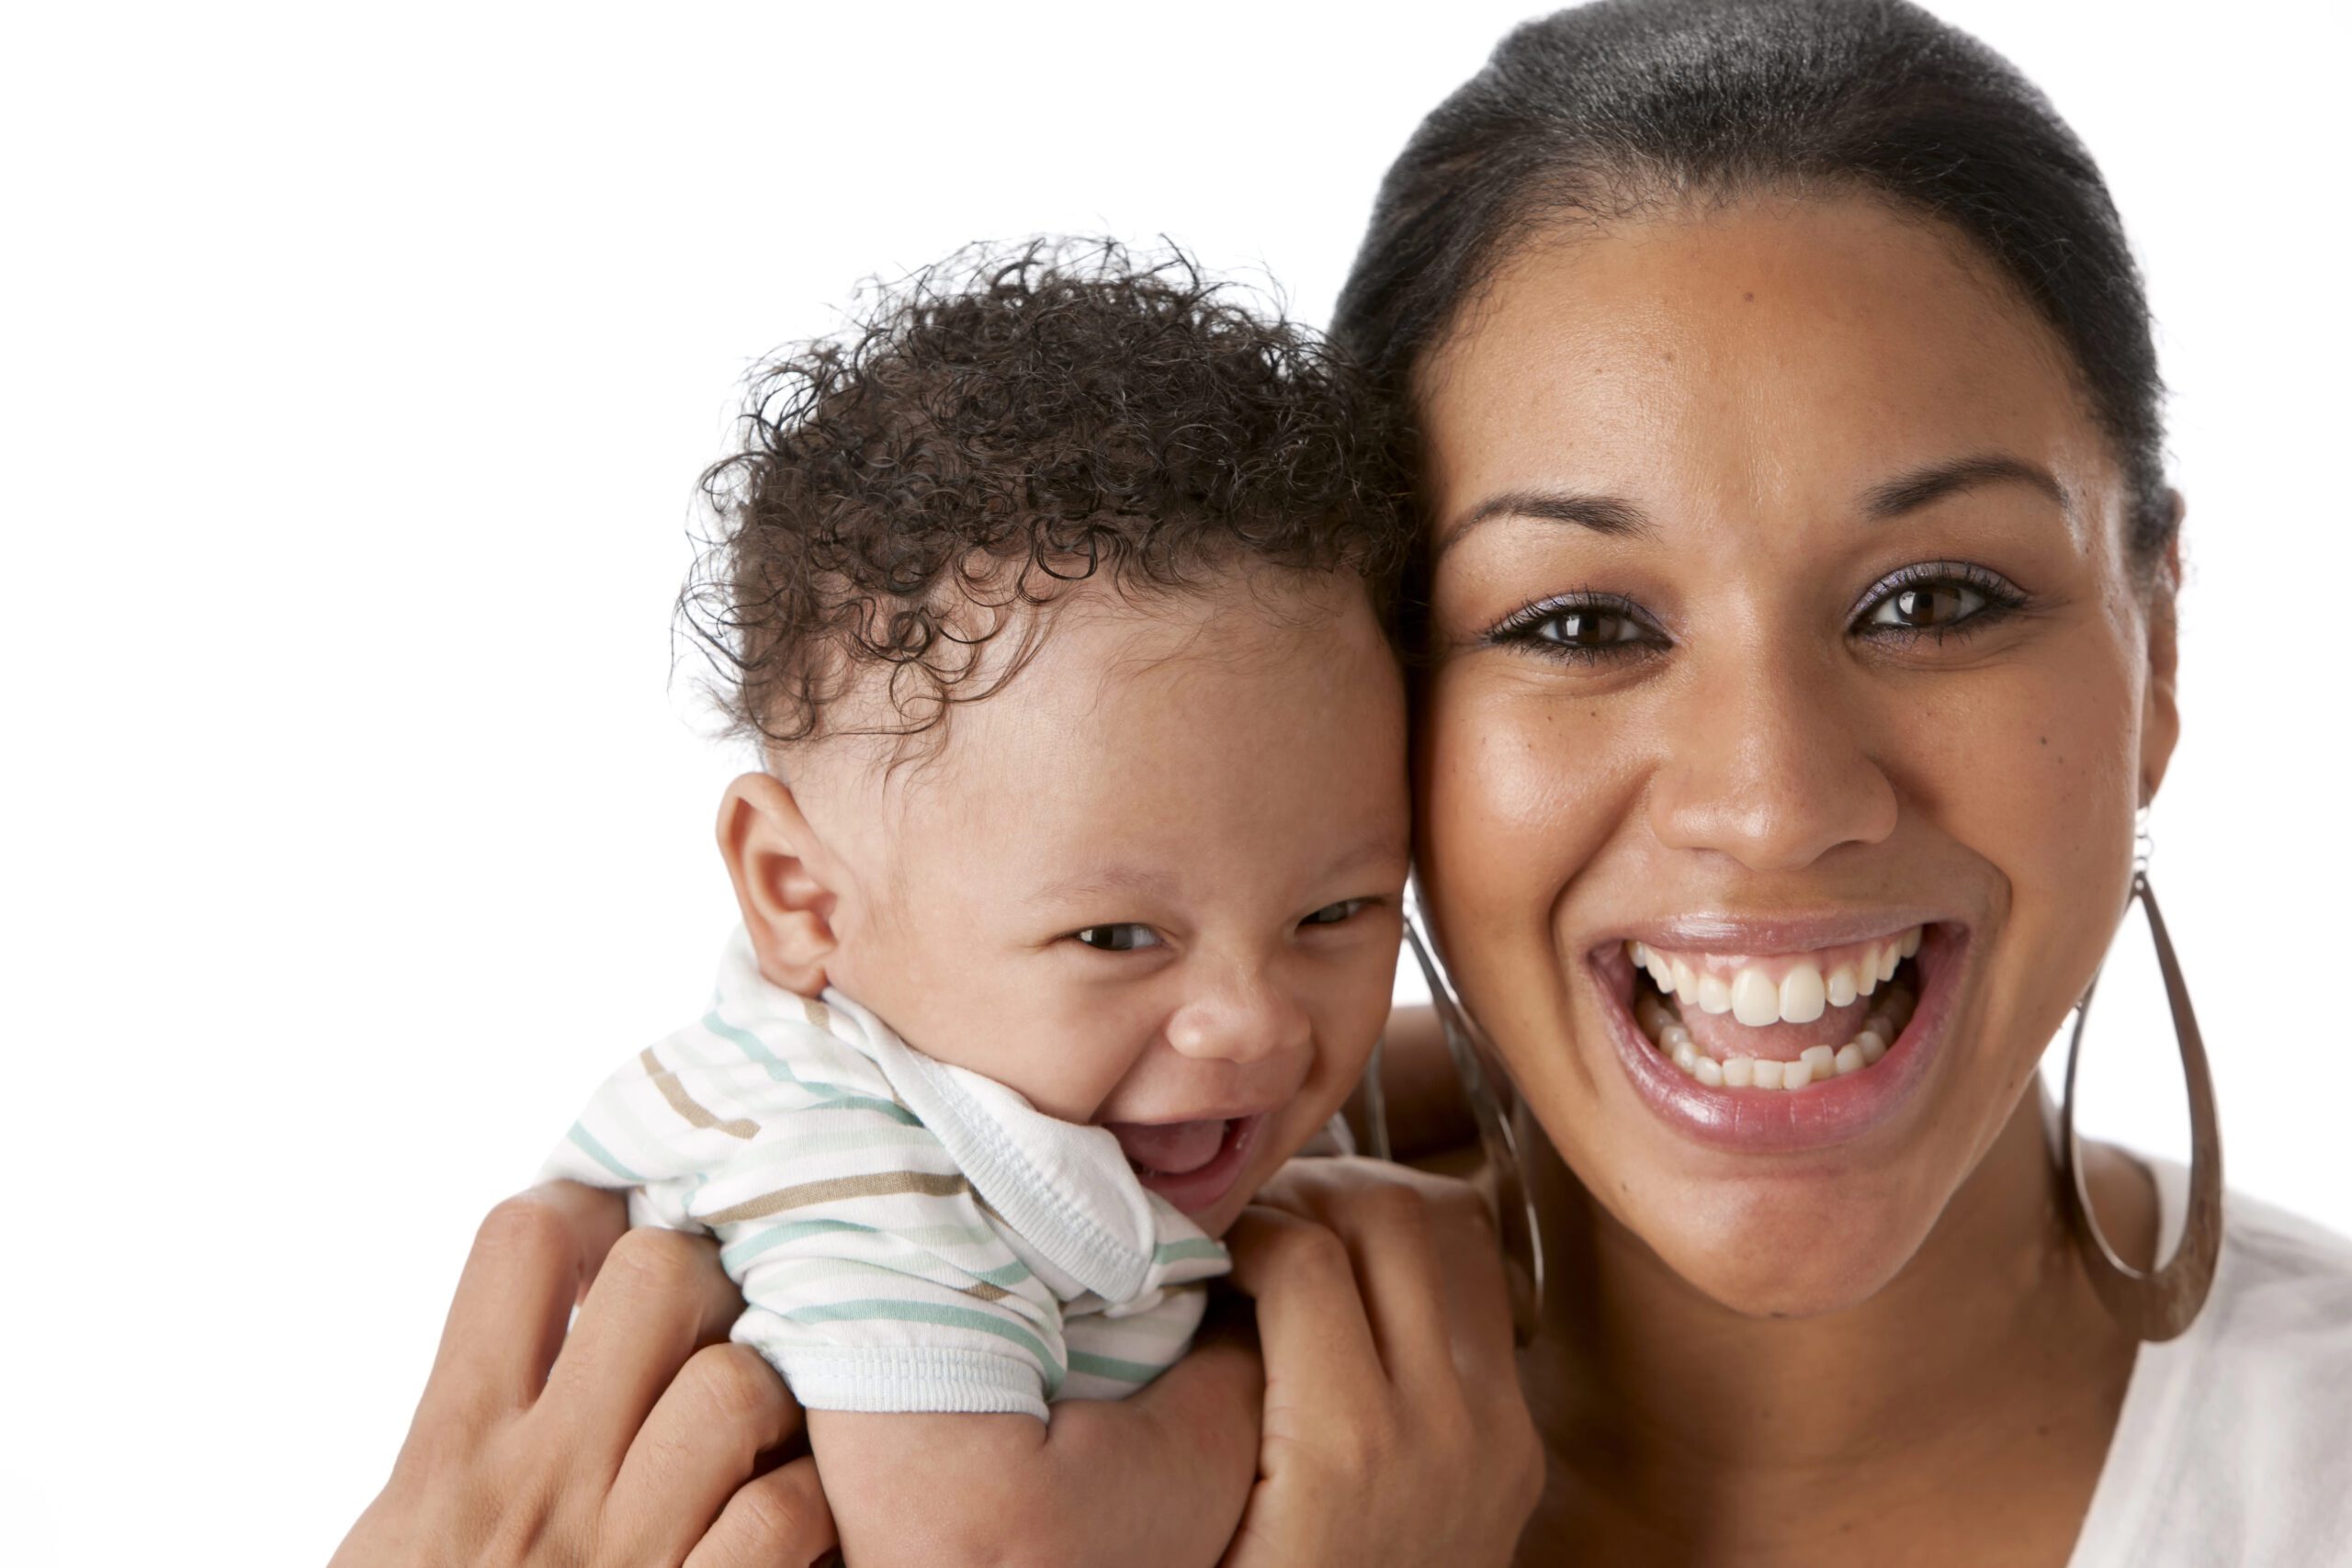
(1939, 600)
(1582, 626)
(1929, 599)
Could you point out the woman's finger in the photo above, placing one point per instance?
(532, 1257)
(778, 1520)
(1424, 1249)
(1477, 1294)
(1385, 1227)
(1463, 1257)
(659, 1297)
(703, 1441)
(1311, 1318)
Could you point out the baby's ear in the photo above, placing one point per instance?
(782, 879)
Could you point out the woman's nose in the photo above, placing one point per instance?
(1238, 1015)
(1770, 762)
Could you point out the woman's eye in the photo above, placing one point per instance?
(1125, 937)
(1581, 629)
(1586, 627)
(1332, 914)
(1939, 598)
(1927, 606)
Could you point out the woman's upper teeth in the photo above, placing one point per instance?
(1782, 988)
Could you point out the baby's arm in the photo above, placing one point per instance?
(1158, 1478)
(875, 1280)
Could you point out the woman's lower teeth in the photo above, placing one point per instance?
(1889, 1012)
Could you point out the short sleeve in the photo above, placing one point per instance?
(1111, 1357)
(875, 1279)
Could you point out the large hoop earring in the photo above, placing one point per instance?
(2156, 1306)
(1514, 1206)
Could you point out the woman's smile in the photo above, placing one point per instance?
(1759, 1046)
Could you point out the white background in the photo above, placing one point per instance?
(358, 361)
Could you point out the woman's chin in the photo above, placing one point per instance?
(1789, 1263)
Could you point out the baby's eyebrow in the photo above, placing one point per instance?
(1103, 882)
(1144, 882)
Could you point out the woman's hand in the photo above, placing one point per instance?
(1394, 1430)
(634, 1440)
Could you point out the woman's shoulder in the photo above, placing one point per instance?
(2283, 1287)
(2230, 1444)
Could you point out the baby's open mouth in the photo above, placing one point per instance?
(1171, 1149)
(1778, 1022)
(1191, 1164)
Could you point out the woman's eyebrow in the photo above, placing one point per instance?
(1908, 492)
(1601, 513)
(1619, 518)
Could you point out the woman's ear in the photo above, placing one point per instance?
(783, 881)
(2160, 718)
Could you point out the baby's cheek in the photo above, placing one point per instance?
(1350, 1011)
(1059, 1045)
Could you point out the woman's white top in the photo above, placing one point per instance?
(2235, 1441)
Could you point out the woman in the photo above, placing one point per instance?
(1798, 591)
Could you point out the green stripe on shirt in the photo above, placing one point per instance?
(596, 1151)
(1192, 1247)
(1134, 1373)
(841, 1099)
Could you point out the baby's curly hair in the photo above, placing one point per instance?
(996, 428)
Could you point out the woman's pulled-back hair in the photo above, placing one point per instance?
(996, 428)
(1598, 112)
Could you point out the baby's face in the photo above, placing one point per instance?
(1154, 884)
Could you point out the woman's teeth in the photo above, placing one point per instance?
(1795, 989)
(1764, 992)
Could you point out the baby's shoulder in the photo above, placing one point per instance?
(718, 1087)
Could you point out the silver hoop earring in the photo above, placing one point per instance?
(2159, 1305)
(1514, 1210)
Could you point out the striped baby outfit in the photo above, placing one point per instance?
(908, 1235)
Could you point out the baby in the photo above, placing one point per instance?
(1070, 895)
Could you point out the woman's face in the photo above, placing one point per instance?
(1784, 622)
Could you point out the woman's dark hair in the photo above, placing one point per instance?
(1002, 426)
(1596, 112)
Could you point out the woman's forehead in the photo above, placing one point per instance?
(1770, 346)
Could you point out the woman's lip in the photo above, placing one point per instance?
(1194, 1191)
(1767, 936)
(1758, 1121)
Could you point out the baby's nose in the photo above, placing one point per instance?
(1243, 1018)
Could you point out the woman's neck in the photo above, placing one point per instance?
(1970, 1401)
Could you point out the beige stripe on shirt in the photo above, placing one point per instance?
(879, 1184)
(683, 1103)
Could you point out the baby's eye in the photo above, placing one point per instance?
(1125, 937)
(1332, 914)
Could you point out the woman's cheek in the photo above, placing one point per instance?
(2077, 846)
(1517, 795)
(2033, 769)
